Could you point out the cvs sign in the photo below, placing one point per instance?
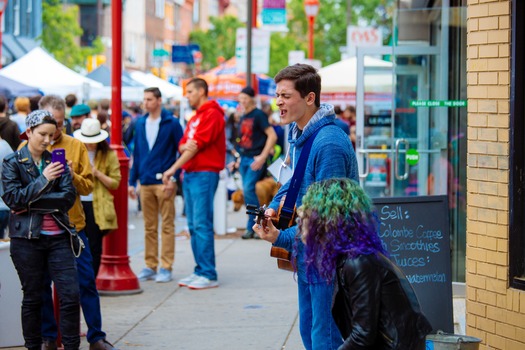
(363, 36)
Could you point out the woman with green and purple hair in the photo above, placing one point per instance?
(373, 306)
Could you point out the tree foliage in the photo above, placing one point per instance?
(330, 31)
(331, 23)
(219, 41)
(60, 34)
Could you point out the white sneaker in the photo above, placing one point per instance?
(187, 280)
(203, 283)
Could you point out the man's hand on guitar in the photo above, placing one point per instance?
(266, 229)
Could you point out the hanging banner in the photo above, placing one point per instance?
(274, 15)
(260, 50)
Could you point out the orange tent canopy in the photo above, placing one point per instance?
(225, 83)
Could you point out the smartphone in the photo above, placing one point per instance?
(59, 155)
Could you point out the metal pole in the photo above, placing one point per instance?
(115, 275)
(249, 43)
(254, 84)
(1, 17)
(311, 21)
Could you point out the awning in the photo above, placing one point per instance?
(9, 41)
(27, 44)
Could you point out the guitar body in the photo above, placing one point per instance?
(284, 257)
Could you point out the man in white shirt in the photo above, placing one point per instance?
(157, 136)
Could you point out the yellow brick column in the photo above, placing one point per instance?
(491, 306)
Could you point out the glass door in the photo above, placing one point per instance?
(400, 145)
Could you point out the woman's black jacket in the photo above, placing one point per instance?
(30, 195)
(375, 307)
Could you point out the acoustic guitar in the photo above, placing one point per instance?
(283, 256)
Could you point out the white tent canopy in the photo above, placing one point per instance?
(341, 76)
(168, 90)
(38, 68)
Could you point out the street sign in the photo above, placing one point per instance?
(260, 50)
(184, 53)
(438, 103)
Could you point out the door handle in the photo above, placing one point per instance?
(364, 175)
(396, 160)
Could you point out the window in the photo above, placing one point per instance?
(196, 12)
(29, 17)
(159, 8)
(16, 17)
(517, 156)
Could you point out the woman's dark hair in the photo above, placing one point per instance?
(102, 117)
(103, 147)
(340, 223)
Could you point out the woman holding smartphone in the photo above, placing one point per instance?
(101, 217)
(39, 193)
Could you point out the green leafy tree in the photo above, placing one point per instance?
(60, 34)
(331, 23)
(280, 44)
(217, 41)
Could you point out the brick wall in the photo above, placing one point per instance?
(495, 313)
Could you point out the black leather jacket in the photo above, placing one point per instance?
(375, 307)
(30, 195)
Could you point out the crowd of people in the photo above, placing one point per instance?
(350, 295)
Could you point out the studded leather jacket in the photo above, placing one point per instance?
(30, 195)
(375, 307)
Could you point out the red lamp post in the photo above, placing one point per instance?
(311, 7)
(3, 5)
(115, 275)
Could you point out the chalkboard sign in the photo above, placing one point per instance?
(415, 232)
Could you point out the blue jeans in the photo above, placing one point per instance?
(316, 324)
(51, 255)
(249, 179)
(89, 299)
(199, 189)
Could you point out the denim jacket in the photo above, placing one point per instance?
(30, 195)
(331, 156)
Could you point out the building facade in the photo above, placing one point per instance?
(495, 168)
(21, 25)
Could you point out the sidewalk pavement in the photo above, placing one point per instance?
(255, 306)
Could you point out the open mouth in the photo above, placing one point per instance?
(282, 112)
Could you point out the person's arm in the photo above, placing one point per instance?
(259, 160)
(19, 198)
(189, 150)
(333, 160)
(81, 172)
(111, 180)
(362, 290)
(61, 196)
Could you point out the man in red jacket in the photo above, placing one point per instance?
(202, 156)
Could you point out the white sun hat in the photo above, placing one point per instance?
(90, 131)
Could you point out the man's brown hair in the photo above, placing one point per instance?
(200, 84)
(305, 80)
(155, 91)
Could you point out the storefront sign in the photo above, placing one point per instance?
(438, 103)
(378, 120)
(415, 232)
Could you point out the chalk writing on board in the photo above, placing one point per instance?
(410, 243)
(416, 233)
